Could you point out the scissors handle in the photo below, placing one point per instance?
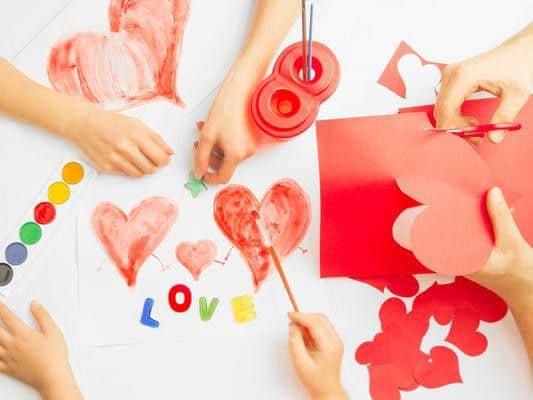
(480, 130)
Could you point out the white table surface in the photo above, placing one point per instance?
(442, 30)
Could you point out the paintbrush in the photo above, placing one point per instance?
(304, 40)
(266, 240)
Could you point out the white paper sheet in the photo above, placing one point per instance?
(211, 42)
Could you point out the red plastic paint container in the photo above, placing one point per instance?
(284, 104)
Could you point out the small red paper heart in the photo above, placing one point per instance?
(285, 211)
(137, 61)
(440, 370)
(130, 239)
(196, 257)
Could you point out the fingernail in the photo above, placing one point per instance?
(496, 136)
(497, 195)
(35, 303)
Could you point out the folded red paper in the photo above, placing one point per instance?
(364, 162)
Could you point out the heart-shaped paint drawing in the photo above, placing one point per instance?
(196, 257)
(130, 239)
(285, 211)
(136, 61)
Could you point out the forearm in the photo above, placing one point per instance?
(23, 99)
(271, 23)
(521, 307)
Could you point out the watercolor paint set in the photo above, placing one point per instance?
(19, 249)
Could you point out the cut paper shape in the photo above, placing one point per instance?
(391, 78)
(72, 173)
(206, 312)
(136, 61)
(441, 171)
(285, 211)
(130, 239)
(243, 308)
(195, 186)
(442, 368)
(403, 286)
(182, 305)
(196, 257)
(58, 193)
(146, 317)
(359, 159)
(394, 357)
(6, 274)
(44, 213)
(421, 81)
(456, 192)
(30, 233)
(16, 253)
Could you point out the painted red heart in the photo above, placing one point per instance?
(285, 211)
(196, 257)
(136, 61)
(130, 239)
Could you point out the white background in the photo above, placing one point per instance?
(364, 35)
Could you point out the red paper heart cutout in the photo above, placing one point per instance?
(285, 211)
(441, 369)
(130, 239)
(391, 78)
(403, 286)
(394, 354)
(137, 61)
(196, 257)
(455, 191)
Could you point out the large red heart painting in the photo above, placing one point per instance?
(130, 239)
(136, 61)
(285, 211)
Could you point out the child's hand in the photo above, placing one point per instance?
(318, 367)
(228, 130)
(37, 358)
(506, 72)
(509, 271)
(118, 144)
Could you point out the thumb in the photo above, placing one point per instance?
(43, 319)
(509, 107)
(505, 230)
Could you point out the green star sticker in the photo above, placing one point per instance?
(195, 186)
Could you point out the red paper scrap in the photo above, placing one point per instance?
(391, 78)
(394, 358)
(403, 286)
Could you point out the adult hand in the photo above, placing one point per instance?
(506, 72)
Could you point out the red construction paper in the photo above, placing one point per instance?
(458, 217)
(359, 159)
(440, 370)
(391, 78)
(447, 175)
(403, 286)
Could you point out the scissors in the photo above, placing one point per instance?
(479, 130)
